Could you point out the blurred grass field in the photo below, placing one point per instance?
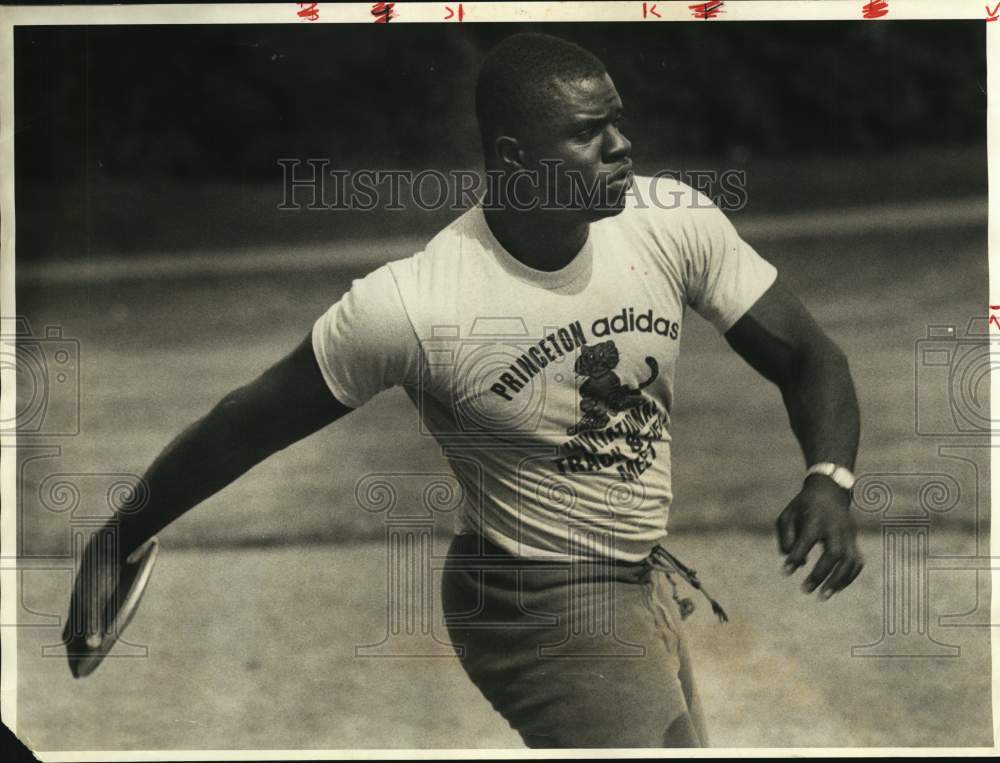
(155, 355)
(254, 647)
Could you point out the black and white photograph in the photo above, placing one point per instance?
(474, 378)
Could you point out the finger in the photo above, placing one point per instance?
(94, 616)
(109, 612)
(786, 530)
(838, 578)
(843, 576)
(856, 568)
(112, 578)
(829, 561)
(91, 599)
(807, 538)
(102, 580)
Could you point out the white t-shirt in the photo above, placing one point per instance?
(549, 392)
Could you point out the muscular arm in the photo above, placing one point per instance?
(781, 340)
(287, 402)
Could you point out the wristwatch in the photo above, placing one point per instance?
(841, 475)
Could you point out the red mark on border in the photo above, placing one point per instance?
(308, 11)
(451, 13)
(875, 9)
(993, 318)
(383, 12)
(992, 15)
(706, 10)
(650, 9)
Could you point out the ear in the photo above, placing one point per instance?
(509, 152)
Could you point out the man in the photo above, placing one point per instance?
(560, 600)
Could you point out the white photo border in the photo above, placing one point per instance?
(474, 12)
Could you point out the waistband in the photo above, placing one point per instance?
(471, 551)
(478, 548)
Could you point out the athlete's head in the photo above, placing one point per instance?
(548, 106)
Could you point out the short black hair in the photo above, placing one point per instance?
(516, 79)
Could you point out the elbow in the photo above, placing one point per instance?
(823, 351)
(819, 359)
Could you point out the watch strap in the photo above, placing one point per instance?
(841, 475)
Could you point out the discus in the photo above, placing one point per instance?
(87, 653)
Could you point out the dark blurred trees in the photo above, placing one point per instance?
(199, 102)
(167, 138)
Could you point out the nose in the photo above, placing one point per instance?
(618, 147)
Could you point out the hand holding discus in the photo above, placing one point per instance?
(106, 593)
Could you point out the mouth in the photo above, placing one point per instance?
(621, 175)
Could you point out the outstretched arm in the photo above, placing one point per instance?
(287, 402)
(782, 341)
(366, 344)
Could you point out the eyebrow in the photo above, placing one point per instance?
(589, 121)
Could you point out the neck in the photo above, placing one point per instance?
(539, 240)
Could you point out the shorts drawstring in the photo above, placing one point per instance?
(661, 559)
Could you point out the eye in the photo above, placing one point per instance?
(588, 132)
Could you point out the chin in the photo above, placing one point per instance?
(614, 207)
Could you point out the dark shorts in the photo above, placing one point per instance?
(581, 654)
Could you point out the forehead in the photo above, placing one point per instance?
(591, 96)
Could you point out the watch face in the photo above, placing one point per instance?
(843, 477)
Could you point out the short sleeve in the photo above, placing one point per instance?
(723, 274)
(364, 343)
